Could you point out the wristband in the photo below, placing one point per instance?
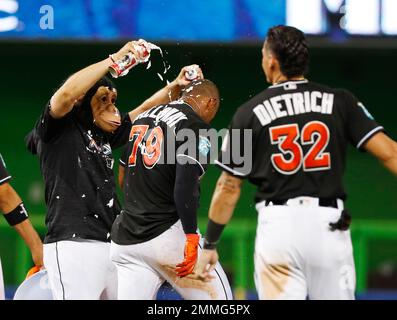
(214, 231)
(209, 245)
(16, 216)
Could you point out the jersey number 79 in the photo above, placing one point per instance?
(150, 149)
(290, 140)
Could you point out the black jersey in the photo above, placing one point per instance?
(4, 175)
(300, 133)
(150, 162)
(77, 166)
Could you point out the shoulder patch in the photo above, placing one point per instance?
(204, 145)
(365, 111)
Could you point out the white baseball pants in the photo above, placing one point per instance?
(142, 268)
(80, 270)
(298, 256)
(2, 294)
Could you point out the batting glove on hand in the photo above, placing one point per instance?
(191, 252)
(32, 271)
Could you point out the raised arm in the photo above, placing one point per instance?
(167, 94)
(384, 149)
(78, 84)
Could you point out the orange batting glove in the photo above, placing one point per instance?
(32, 271)
(191, 252)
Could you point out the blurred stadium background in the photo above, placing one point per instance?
(354, 45)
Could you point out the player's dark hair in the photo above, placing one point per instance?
(290, 47)
(201, 88)
(83, 109)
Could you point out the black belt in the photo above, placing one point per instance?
(323, 202)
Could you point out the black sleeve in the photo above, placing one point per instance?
(360, 124)
(237, 146)
(4, 175)
(194, 145)
(187, 195)
(121, 135)
(49, 128)
(32, 141)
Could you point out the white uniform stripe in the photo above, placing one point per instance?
(368, 135)
(229, 169)
(5, 179)
(284, 83)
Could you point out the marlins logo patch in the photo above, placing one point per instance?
(204, 145)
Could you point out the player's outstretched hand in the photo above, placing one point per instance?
(191, 251)
(181, 78)
(205, 264)
(130, 46)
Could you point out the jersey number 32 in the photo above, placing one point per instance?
(290, 140)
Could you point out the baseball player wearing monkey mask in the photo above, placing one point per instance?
(74, 138)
